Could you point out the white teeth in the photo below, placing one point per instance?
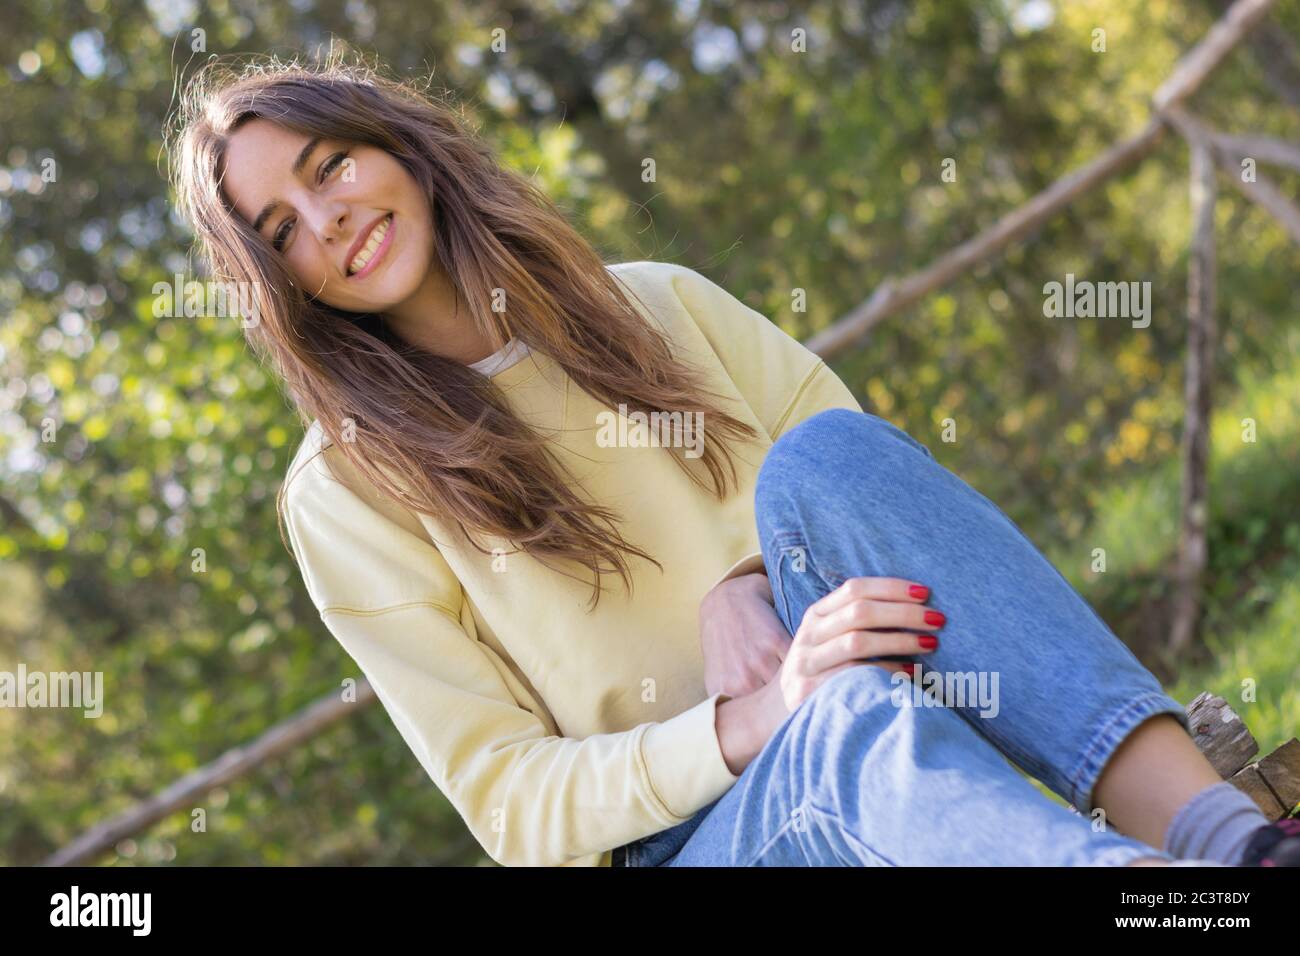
(372, 243)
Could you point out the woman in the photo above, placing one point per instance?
(496, 420)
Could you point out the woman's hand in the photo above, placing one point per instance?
(861, 618)
(741, 635)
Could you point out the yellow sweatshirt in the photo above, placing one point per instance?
(559, 733)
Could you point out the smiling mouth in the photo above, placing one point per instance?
(372, 249)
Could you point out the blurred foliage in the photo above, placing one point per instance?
(775, 171)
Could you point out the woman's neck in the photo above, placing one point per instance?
(432, 319)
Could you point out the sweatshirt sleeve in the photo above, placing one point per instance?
(528, 795)
(781, 380)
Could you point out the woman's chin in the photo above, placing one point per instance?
(379, 293)
(393, 293)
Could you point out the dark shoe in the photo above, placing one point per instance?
(1277, 844)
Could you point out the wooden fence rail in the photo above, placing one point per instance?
(1187, 76)
(186, 792)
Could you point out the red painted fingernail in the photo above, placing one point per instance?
(919, 591)
(910, 668)
(928, 642)
(935, 617)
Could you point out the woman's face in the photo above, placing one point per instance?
(352, 224)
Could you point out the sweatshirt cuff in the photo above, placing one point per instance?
(684, 761)
(749, 564)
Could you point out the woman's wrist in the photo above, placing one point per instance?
(745, 724)
(754, 584)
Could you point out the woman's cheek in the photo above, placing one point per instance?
(310, 275)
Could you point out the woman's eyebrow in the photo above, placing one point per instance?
(298, 164)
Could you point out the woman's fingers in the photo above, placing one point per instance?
(879, 614)
(875, 589)
(856, 645)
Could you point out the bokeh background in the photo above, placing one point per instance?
(775, 170)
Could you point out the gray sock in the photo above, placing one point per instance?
(1216, 824)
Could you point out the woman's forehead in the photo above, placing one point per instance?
(259, 160)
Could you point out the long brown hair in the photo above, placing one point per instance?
(431, 432)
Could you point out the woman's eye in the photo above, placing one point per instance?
(281, 235)
(331, 164)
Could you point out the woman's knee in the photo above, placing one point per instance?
(827, 427)
(839, 434)
(825, 453)
(797, 453)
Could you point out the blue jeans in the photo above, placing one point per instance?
(874, 770)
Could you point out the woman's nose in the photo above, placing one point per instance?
(328, 220)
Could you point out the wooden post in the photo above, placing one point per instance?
(1280, 771)
(1272, 782)
(1220, 734)
(1192, 548)
(1228, 151)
